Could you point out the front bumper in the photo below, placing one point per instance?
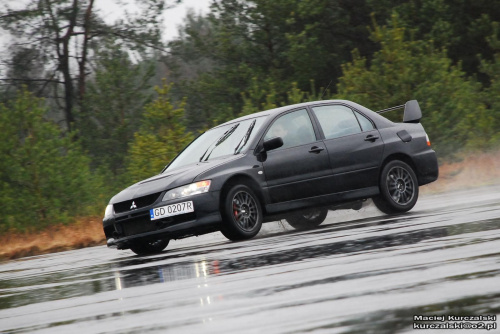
(123, 229)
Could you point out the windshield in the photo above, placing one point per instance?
(225, 140)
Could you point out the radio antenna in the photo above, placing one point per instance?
(324, 90)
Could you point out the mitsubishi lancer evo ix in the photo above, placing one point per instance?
(294, 163)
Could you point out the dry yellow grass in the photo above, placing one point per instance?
(84, 232)
(475, 170)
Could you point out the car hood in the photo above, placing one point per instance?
(169, 180)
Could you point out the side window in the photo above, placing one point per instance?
(294, 128)
(366, 125)
(337, 121)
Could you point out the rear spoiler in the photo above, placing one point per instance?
(412, 112)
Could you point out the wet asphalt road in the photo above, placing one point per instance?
(359, 272)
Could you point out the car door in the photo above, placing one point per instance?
(354, 146)
(301, 167)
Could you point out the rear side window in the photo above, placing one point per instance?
(366, 125)
(337, 121)
(294, 128)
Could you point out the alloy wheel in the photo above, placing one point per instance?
(245, 211)
(400, 185)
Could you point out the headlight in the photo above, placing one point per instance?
(109, 211)
(188, 190)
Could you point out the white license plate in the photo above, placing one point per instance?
(171, 210)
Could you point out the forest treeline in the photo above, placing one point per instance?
(87, 107)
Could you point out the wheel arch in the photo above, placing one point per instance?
(401, 157)
(245, 180)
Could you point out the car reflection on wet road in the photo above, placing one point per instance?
(359, 272)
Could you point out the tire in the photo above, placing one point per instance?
(398, 188)
(306, 220)
(242, 214)
(149, 247)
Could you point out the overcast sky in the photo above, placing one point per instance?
(175, 16)
(172, 17)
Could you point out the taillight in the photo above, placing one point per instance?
(428, 140)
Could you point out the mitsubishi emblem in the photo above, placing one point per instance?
(133, 206)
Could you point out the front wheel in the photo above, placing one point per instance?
(307, 219)
(398, 188)
(149, 247)
(242, 214)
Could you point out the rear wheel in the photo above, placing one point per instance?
(242, 214)
(307, 219)
(398, 188)
(149, 247)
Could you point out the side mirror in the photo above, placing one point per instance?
(273, 143)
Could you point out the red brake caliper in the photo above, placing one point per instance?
(235, 211)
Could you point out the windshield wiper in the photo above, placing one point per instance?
(245, 138)
(219, 141)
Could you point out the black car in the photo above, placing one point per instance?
(294, 163)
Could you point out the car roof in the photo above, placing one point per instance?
(379, 120)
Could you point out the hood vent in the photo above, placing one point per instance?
(139, 202)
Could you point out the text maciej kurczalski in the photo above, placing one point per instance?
(454, 318)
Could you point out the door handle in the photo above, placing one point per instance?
(371, 138)
(316, 149)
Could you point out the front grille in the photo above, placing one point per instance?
(138, 225)
(140, 202)
(127, 226)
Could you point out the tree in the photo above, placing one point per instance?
(263, 96)
(25, 64)
(161, 137)
(492, 98)
(405, 69)
(320, 36)
(259, 96)
(44, 176)
(113, 107)
(281, 42)
(63, 31)
(458, 25)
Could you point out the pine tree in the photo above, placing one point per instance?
(405, 69)
(161, 137)
(44, 176)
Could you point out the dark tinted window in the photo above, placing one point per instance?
(294, 128)
(337, 121)
(366, 125)
(227, 139)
